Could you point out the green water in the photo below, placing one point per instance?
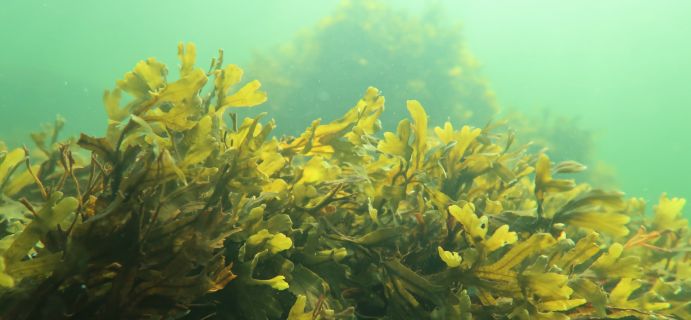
(621, 67)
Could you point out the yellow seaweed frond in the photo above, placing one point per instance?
(501, 237)
(147, 78)
(619, 297)
(187, 55)
(614, 264)
(475, 226)
(6, 280)
(417, 112)
(668, 214)
(9, 163)
(278, 282)
(452, 259)
(544, 182)
(547, 285)
(584, 249)
(396, 144)
(522, 250)
(248, 96)
(297, 311)
(608, 222)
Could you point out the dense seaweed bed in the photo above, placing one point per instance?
(181, 211)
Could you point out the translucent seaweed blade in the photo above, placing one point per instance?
(47, 219)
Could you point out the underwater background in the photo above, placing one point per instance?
(351, 159)
(618, 69)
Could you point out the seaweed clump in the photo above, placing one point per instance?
(370, 42)
(406, 55)
(178, 213)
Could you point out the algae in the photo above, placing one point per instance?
(184, 210)
(407, 55)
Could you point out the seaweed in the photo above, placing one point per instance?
(406, 55)
(422, 55)
(182, 212)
